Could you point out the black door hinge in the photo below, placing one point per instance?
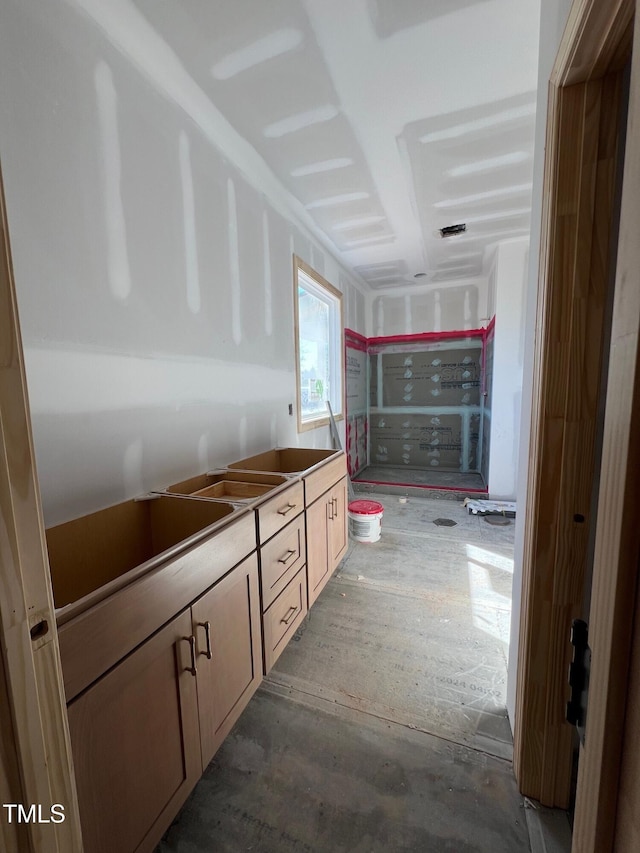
(579, 677)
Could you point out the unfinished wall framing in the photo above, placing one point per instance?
(36, 764)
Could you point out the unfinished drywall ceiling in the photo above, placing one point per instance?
(386, 119)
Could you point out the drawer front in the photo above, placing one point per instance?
(318, 481)
(281, 558)
(277, 512)
(281, 620)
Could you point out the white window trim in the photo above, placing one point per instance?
(324, 288)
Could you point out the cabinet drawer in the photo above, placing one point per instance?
(318, 481)
(283, 617)
(281, 558)
(274, 514)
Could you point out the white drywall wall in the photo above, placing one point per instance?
(509, 287)
(553, 17)
(452, 306)
(153, 259)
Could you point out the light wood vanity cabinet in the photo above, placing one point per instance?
(326, 536)
(143, 733)
(163, 643)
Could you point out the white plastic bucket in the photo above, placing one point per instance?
(365, 520)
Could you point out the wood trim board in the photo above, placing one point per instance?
(575, 275)
(300, 265)
(32, 673)
(609, 762)
(575, 262)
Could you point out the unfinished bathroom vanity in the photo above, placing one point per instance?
(170, 610)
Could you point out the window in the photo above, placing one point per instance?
(318, 315)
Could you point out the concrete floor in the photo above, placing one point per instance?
(382, 727)
(422, 477)
(419, 482)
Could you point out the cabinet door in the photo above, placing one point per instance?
(227, 627)
(338, 524)
(317, 546)
(135, 741)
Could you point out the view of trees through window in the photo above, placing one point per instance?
(319, 348)
(315, 383)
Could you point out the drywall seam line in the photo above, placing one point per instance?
(268, 287)
(118, 269)
(189, 218)
(234, 263)
(407, 314)
(130, 33)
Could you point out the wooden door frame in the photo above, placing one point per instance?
(598, 818)
(36, 766)
(579, 195)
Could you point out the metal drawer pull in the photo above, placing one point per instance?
(287, 509)
(207, 631)
(330, 510)
(192, 645)
(291, 612)
(334, 501)
(290, 553)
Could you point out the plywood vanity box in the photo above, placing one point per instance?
(160, 639)
(278, 502)
(324, 477)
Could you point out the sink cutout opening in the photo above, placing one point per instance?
(287, 460)
(228, 485)
(91, 551)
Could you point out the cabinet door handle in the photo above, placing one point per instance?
(334, 501)
(192, 646)
(290, 553)
(291, 612)
(207, 631)
(286, 509)
(330, 510)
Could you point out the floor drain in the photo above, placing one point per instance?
(445, 522)
(498, 520)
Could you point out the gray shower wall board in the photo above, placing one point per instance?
(449, 377)
(426, 440)
(426, 404)
(356, 361)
